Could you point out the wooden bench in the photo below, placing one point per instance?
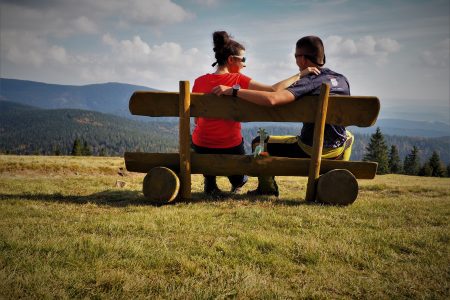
(162, 183)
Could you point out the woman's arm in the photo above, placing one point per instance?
(255, 85)
(258, 97)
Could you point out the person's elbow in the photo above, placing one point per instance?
(272, 99)
(278, 98)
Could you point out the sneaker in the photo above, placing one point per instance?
(258, 192)
(235, 189)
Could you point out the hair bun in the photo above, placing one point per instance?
(220, 39)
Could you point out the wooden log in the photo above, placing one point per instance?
(225, 164)
(161, 185)
(338, 187)
(342, 110)
(319, 128)
(185, 140)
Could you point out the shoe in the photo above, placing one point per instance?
(235, 189)
(258, 192)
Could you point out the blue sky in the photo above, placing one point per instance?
(397, 50)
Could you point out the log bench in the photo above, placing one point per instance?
(169, 174)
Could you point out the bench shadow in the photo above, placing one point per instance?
(116, 198)
(111, 198)
(202, 198)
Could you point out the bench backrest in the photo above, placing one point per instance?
(359, 111)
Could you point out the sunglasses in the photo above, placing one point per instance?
(242, 58)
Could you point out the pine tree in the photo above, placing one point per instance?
(378, 151)
(435, 165)
(102, 152)
(448, 170)
(57, 151)
(77, 149)
(425, 170)
(395, 166)
(411, 164)
(86, 149)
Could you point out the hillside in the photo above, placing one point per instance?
(113, 98)
(66, 231)
(30, 130)
(27, 130)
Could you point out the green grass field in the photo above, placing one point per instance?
(67, 231)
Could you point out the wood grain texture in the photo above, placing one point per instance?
(319, 128)
(185, 139)
(161, 185)
(338, 187)
(360, 111)
(224, 164)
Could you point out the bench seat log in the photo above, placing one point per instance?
(360, 111)
(225, 164)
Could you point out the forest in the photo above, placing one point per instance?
(28, 130)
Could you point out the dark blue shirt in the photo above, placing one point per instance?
(334, 136)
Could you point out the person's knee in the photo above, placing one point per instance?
(255, 142)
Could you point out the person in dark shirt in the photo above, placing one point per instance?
(309, 53)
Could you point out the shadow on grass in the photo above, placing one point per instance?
(115, 198)
(112, 198)
(202, 198)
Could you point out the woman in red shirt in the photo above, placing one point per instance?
(219, 136)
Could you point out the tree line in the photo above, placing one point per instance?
(389, 161)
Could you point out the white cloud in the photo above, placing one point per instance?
(66, 17)
(342, 50)
(438, 55)
(131, 60)
(208, 3)
(154, 12)
(85, 25)
(367, 46)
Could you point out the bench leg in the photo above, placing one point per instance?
(161, 185)
(319, 127)
(185, 140)
(338, 187)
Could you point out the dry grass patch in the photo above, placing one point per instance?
(78, 236)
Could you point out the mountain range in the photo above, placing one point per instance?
(113, 98)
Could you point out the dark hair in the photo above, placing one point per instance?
(312, 48)
(224, 46)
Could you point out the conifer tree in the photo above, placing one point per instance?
(395, 166)
(411, 164)
(77, 148)
(57, 151)
(435, 165)
(425, 170)
(448, 170)
(86, 149)
(102, 152)
(377, 151)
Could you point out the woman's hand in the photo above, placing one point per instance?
(309, 70)
(222, 90)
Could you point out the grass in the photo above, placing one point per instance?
(66, 231)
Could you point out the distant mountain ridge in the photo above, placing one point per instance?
(109, 97)
(113, 98)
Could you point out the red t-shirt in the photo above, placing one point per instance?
(217, 133)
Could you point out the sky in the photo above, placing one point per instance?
(396, 50)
